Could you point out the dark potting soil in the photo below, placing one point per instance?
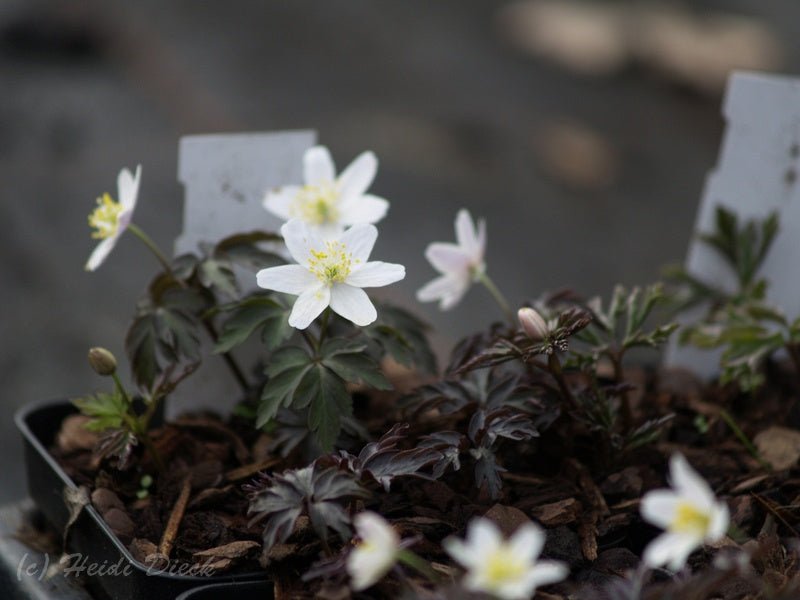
(582, 492)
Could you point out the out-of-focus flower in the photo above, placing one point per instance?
(375, 554)
(326, 202)
(459, 264)
(110, 218)
(689, 513)
(330, 273)
(508, 569)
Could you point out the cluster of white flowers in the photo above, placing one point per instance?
(332, 267)
(507, 569)
(510, 568)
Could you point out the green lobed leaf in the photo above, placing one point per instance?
(350, 362)
(286, 371)
(243, 249)
(329, 402)
(106, 411)
(402, 336)
(218, 274)
(253, 313)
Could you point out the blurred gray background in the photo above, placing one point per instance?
(582, 132)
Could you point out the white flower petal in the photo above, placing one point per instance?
(689, 484)
(289, 279)
(309, 305)
(483, 535)
(100, 253)
(481, 240)
(466, 235)
(367, 567)
(359, 241)
(299, 240)
(447, 289)
(364, 209)
(720, 520)
(376, 274)
(373, 527)
(527, 542)
(669, 548)
(370, 560)
(353, 304)
(459, 551)
(448, 258)
(328, 231)
(546, 572)
(358, 176)
(128, 187)
(279, 202)
(658, 507)
(318, 166)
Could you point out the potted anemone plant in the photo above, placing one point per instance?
(541, 457)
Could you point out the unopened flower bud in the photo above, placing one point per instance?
(532, 323)
(102, 361)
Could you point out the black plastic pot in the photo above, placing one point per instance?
(122, 577)
(241, 590)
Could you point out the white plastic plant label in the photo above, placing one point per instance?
(757, 173)
(225, 179)
(226, 176)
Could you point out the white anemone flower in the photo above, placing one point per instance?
(689, 513)
(375, 554)
(327, 202)
(459, 264)
(507, 569)
(330, 272)
(110, 218)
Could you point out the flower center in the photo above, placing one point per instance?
(503, 566)
(331, 265)
(688, 519)
(105, 218)
(316, 204)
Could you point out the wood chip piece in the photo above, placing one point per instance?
(233, 550)
(507, 518)
(558, 513)
(779, 446)
(141, 549)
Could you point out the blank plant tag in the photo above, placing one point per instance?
(757, 173)
(225, 179)
(226, 176)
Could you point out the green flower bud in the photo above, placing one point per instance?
(102, 361)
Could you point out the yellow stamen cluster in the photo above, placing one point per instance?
(688, 519)
(105, 218)
(502, 566)
(331, 265)
(316, 204)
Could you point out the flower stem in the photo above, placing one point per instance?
(498, 296)
(729, 420)
(323, 328)
(212, 332)
(554, 366)
(418, 564)
(151, 245)
(121, 390)
(625, 401)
